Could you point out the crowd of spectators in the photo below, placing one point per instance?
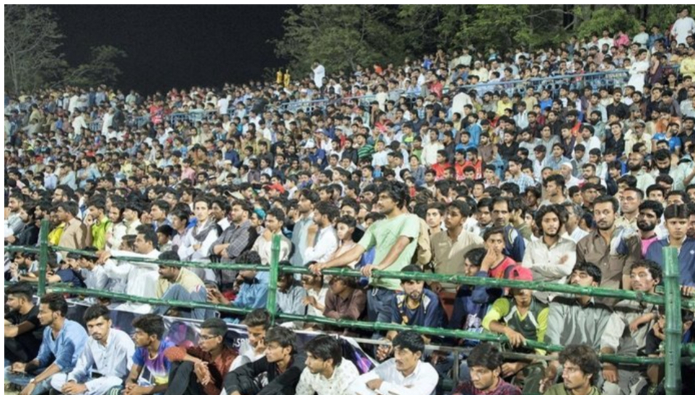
(434, 166)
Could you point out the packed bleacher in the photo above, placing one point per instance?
(572, 165)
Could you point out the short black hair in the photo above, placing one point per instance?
(584, 357)
(607, 199)
(462, 207)
(96, 311)
(56, 302)
(325, 348)
(591, 269)
(217, 326)
(485, 355)
(151, 324)
(258, 317)
(494, 231)
(654, 268)
(149, 235)
(169, 255)
(20, 289)
(284, 336)
(654, 206)
(410, 340)
(676, 211)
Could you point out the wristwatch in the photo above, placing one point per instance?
(33, 380)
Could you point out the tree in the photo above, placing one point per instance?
(31, 40)
(339, 36)
(100, 69)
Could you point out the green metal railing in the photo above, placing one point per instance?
(671, 299)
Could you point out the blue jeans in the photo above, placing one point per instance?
(379, 308)
(22, 380)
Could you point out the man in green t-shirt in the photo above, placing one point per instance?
(394, 240)
(581, 369)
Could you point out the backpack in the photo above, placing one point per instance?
(423, 255)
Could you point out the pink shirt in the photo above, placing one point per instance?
(646, 243)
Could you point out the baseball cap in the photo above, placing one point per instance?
(275, 186)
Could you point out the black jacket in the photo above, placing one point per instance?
(244, 379)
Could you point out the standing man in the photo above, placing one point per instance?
(395, 242)
(304, 226)
(612, 249)
(449, 249)
(236, 239)
(75, 233)
(105, 362)
(676, 221)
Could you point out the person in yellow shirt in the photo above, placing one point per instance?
(101, 223)
(279, 77)
(287, 79)
(688, 64)
(504, 103)
(55, 235)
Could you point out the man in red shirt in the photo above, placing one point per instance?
(441, 165)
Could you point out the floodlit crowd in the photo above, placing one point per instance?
(572, 165)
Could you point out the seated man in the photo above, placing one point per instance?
(344, 299)
(177, 283)
(63, 342)
(485, 363)
(519, 316)
(290, 295)
(282, 365)
(257, 323)
(403, 374)
(581, 369)
(149, 374)
(576, 320)
(473, 301)
(23, 331)
(326, 372)
(416, 306)
(105, 361)
(201, 369)
(253, 286)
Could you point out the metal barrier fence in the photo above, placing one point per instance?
(598, 80)
(671, 300)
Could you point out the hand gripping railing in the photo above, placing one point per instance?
(674, 354)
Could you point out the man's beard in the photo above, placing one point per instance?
(645, 227)
(634, 168)
(664, 170)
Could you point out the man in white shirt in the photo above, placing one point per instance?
(401, 375)
(106, 359)
(326, 372)
(141, 278)
(325, 241)
(319, 73)
(642, 37)
(552, 257)
(683, 27)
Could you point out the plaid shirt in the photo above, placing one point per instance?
(503, 388)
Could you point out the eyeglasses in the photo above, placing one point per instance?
(202, 338)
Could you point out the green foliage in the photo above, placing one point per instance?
(101, 68)
(31, 40)
(340, 36)
(612, 18)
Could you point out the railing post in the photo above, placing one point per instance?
(672, 349)
(274, 273)
(43, 256)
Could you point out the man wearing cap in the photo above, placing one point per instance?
(274, 191)
(637, 135)
(520, 317)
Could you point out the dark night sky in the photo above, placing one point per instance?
(176, 46)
